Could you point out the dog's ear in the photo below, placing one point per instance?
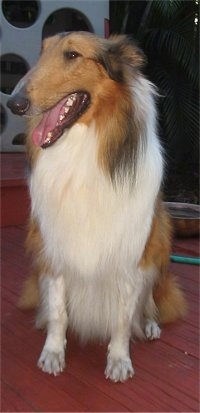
(119, 55)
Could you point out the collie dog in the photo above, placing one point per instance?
(99, 234)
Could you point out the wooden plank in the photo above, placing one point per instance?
(188, 246)
(12, 401)
(42, 397)
(15, 204)
(13, 167)
(15, 201)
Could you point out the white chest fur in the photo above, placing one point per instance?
(86, 223)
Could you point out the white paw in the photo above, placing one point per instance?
(152, 330)
(52, 362)
(119, 369)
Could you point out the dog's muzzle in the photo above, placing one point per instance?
(55, 119)
(19, 102)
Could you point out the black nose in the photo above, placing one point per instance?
(18, 104)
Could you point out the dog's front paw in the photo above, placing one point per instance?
(119, 369)
(152, 330)
(52, 362)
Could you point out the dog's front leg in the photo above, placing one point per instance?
(119, 366)
(52, 358)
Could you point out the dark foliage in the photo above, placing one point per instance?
(168, 33)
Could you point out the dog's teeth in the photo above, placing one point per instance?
(70, 101)
(61, 117)
(66, 110)
(48, 137)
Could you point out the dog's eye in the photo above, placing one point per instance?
(71, 54)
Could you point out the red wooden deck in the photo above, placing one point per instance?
(166, 377)
(14, 193)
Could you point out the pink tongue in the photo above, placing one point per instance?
(47, 124)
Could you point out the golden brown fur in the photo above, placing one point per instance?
(168, 297)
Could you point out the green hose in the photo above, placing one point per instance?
(185, 260)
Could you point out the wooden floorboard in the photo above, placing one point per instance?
(167, 370)
(13, 167)
(15, 202)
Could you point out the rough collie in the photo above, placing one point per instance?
(99, 235)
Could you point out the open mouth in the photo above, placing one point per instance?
(60, 117)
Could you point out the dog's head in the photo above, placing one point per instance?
(74, 69)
